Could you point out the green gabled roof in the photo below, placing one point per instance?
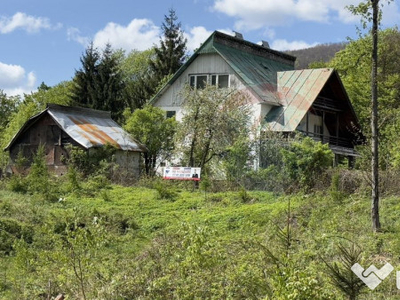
(255, 65)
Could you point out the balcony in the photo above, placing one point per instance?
(331, 140)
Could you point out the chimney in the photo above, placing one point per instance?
(238, 35)
(265, 44)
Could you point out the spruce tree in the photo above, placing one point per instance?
(99, 83)
(84, 90)
(109, 85)
(171, 53)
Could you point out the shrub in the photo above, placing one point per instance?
(165, 190)
(305, 160)
(18, 184)
(39, 178)
(11, 230)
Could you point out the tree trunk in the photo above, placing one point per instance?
(374, 121)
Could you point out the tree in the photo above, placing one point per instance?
(364, 9)
(150, 127)
(376, 225)
(98, 84)
(214, 119)
(84, 91)
(171, 53)
(137, 74)
(110, 85)
(8, 106)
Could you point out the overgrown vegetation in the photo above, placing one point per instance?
(168, 241)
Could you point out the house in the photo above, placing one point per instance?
(59, 126)
(311, 101)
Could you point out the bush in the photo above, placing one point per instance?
(11, 230)
(165, 190)
(18, 184)
(305, 160)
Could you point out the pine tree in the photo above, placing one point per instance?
(171, 53)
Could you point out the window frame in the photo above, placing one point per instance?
(193, 80)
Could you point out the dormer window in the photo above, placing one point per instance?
(201, 80)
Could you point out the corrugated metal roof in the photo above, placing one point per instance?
(89, 128)
(257, 72)
(255, 65)
(297, 90)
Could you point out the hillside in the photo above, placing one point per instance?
(129, 243)
(323, 52)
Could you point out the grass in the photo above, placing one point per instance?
(218, 241)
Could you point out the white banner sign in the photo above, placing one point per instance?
(182, 173)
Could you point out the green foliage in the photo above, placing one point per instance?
(165, 190)
(215, 120)
(171, 53)
(305, 160)
(244, 195)
(151, 128)
(354, 60)
(99, 83)
(335, 191)
(341, 274)
(39, 178)
(10, 231)
(136, 246)
(97, 162)
(8, 106)
(74, 179)
(236, 162)
(18, 184)
(140, 85)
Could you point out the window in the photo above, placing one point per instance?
(222, 81)
(200, 81)
(171, 114)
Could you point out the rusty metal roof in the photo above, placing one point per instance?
(89, 128)
(255, 65)
(297, 91)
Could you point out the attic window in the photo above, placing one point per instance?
(200, 81)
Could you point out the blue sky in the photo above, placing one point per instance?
(43, 40)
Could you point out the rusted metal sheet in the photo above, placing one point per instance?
(297, 91)
(92, 128)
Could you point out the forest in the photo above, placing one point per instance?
(291, 230)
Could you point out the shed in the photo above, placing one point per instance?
(59, 126)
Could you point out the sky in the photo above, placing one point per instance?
(43, 40)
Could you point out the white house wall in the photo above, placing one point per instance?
(171, 99)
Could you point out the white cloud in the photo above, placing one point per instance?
(255, 14)
(15, 81)
(74, 34)
(25, 22)
(195, 37)
(139, 34)
(283, 45)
